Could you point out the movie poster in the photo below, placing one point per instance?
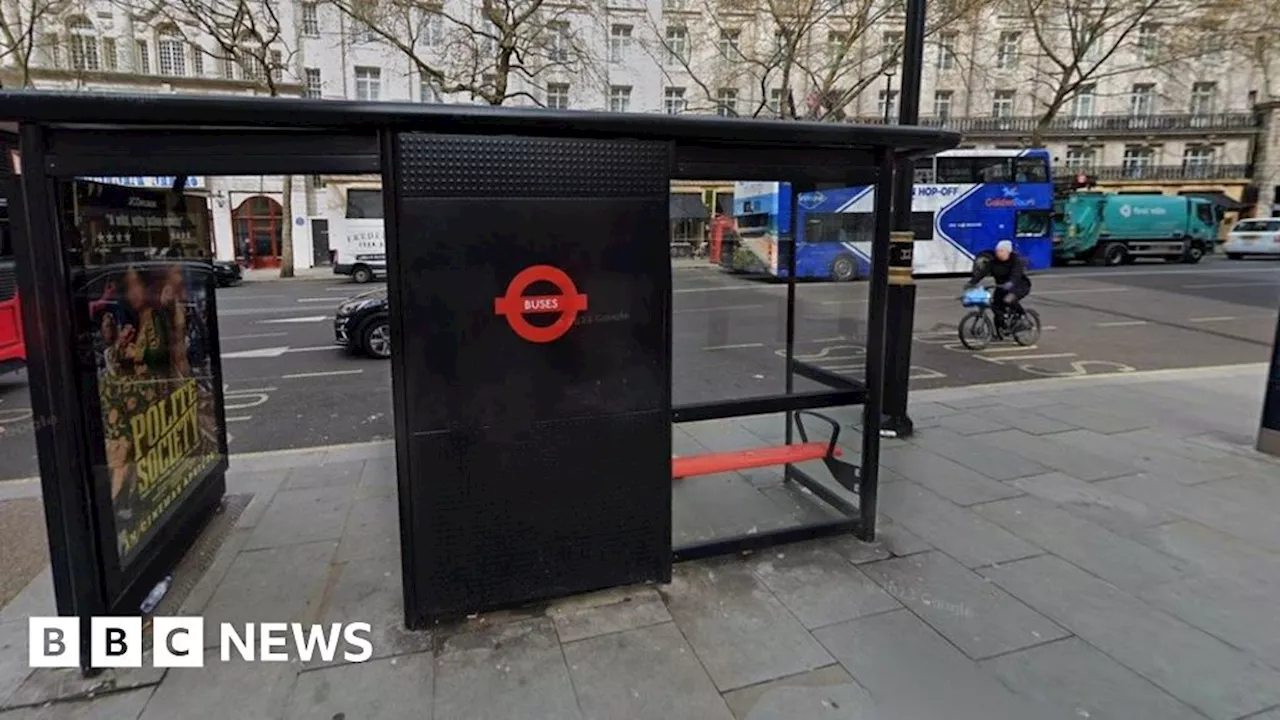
(145, 275)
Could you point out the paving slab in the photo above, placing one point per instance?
(1104, 419)
(742, 633)
(1118, 513)
(1049, 453)
(971, 423)
(34, 599)
(646, 673)
(514, 671)
(282, 584)
(1071, 673)
(345, 472)
(948, 478)
(116, 706)
(372, 528)
(1246, 521)
(236, 688)
(608, 611)
(369, 590)
(913, 672)
(818, 585)
(962, 534)
(981, 454)
(1243, 615)
(1193, 666)
(1028, 421)
(377, 478)
(13, 658)
(302, 516)
(828, 693)
(1143, 457)
(1181, 447)
(967, 609)
(44, 685)
(1125, 563)
(1218, 554)
(387, 689)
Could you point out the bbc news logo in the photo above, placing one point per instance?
(178, 642)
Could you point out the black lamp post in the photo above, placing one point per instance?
(888, 93)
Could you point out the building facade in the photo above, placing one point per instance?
(1165, 109)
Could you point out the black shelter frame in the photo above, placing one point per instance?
(68, 135)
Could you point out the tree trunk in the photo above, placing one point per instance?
(286, 231)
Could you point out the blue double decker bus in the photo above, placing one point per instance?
(965, 202)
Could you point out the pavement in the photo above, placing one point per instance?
(1082, 547)
(288, 386)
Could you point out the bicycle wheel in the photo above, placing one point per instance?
(1027, 331)
(976, 330)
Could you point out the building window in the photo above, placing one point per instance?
(428, 91)
(673, 5)
(727, 102)
(197, 60)
(942, 104)
(250, 63)
(558, 96)
(229, 68)
(947, 50)
(836, 43)
(620, 98)
(1204, 97)
(310, 20)
(362, 32)
(1092, 52)
(1148, 42)
(315, 88)
(1082, 103)
(1008, 50)
(84, 45)
(729, 42)
(171, 53)
(673, 102)
(1138, 160)
(1002, 104)
(891, 45)
(110, 56)
(143, 57)
(775, 102)
(1197, 160)
(677, 45)
(277, 65)
(558, 41)
(1142, 101)
(431, 27)
(619, 43)
(368, 83)
(887, 104)
(1080, 158)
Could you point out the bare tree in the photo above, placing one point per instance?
(250, 42)
(826, 52)
(494, 51)
(1079, 43)
(21, 22)
(1248, 30)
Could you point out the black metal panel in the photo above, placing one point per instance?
(222, 111)
(802, 165)
(535, 468)
(81, 152)
(1269, 436)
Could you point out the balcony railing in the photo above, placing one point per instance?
(1089, 124)
(1180, 173)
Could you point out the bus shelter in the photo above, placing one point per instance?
(530, 297)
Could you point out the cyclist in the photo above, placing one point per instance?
(1009, 271)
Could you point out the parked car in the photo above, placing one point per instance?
(1253, 236)
(362, 325)
(227, 273)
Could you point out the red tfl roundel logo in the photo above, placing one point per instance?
(515, 305)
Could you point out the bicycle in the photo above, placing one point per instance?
(978, 328)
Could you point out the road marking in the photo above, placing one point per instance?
(255, 298)
(239, 418)
(1121, 323)
(228, 391)
(273, 352)
(311, 300)
(295, 376)
(956, 296)
(740, 346)
(316, 348)
(1217, 318)
(724, 288)
(1041, 356)
(837, 338)
(253, 336)
(309, 319)
(1206, 286)
(714, 309)
(339, 288)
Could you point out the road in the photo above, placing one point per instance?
(288, 386)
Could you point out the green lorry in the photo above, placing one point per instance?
(1110, 229)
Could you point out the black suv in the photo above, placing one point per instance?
(227, 273)
(361, 324)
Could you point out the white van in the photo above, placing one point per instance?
(359, 240)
